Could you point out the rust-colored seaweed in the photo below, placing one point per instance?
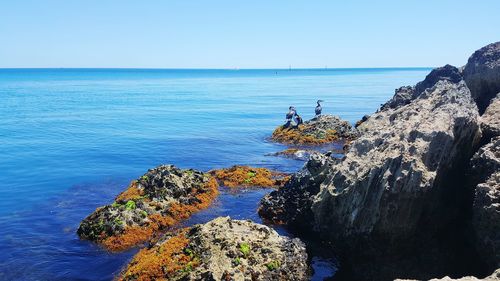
(162, 262)
(132, 236)
(131, 193)
(298, 135)
(246, 176)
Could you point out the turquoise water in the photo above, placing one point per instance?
(72, 139)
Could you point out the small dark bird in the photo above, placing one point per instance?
(318, 108)
(291, 113)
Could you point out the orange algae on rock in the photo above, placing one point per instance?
(135, 235)
(299, 135)
(131, 193)
(130, 237)
(170, 259)
(246, 176)
(319, 130)
(221, 249)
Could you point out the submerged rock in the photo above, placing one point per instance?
(246, 176)
(486, 210)
(319, 130)
(294, 153)
(482, 74)
(159, 199)
(394, 187)
(222, 249)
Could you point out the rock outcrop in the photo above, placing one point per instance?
(319, 130)
(399, 183)
(490, 120)
(482, 75)
(222, 249)
(404, 95)
(246, 176)
(292, 203)
(486, 210)
(157, 200)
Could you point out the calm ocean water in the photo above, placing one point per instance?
(72, 139)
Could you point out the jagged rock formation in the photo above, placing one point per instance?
(404, 95)
(319, 130)
(397, 183)
(486, 210)
(159, 199)
(490, 120)
(292, 203)
(400, 203)
(222, 249)
(482, 74)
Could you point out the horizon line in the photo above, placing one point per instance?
(227, 68)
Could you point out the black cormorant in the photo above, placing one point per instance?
(291, 113)
(318, 108)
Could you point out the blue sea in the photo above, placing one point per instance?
(72, 139)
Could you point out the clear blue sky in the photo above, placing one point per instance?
(244, 34)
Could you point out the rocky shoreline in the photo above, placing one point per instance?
(415, 196)
(409, 199)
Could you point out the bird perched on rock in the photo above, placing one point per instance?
(289, 116)
(318, 108)
(291, 113)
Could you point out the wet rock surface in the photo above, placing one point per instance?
(222, 249)
(155, 201)
(319, 130)
(482, 74)
(293, 202)
(294, 153)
